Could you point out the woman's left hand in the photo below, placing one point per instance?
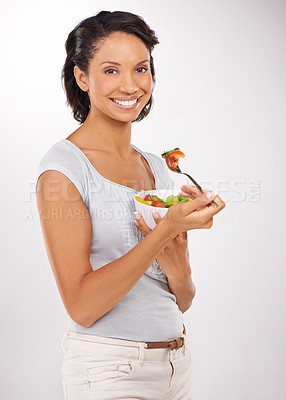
(174, 258)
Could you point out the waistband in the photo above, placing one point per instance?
(92, 344)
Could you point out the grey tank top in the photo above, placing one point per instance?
(149, 311)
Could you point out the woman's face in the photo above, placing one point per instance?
(120, 71)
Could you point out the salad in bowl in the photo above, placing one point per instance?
(148, 201)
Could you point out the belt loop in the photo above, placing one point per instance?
(64, 341)
(141, 353)
(170, 355)
(184, 346)
(185, 340)
(172, 365)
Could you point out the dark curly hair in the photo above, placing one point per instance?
(81, 46)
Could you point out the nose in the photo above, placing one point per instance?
(128, 84)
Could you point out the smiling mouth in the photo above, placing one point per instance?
(126, 103)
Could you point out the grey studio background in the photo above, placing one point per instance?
(220, 97)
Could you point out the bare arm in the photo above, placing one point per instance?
(99, 291)
(66, 225)
(184, 290)
(174, 261)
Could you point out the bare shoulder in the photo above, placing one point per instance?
(54, 186)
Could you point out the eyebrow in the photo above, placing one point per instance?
(116, 63)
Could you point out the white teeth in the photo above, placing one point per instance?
(125, 103)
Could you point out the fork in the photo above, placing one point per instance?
(177, 169)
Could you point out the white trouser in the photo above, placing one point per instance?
(100, 368)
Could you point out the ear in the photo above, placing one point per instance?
(81, 78)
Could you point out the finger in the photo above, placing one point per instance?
(141, 224)
(207, 213)
(200, 202)
(190, 191)
(185, 194)
(156, 216)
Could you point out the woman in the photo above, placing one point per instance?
(124, 287)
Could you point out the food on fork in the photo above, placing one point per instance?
(172, 158)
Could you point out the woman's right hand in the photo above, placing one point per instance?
(195, 214)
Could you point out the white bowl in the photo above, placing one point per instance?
(146, 211)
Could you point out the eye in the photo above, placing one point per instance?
(108, 70)
(146, 69)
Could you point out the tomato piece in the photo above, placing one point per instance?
(177, 153)
(157, 204)
(148, 197)
(171, 163)
(172, 159)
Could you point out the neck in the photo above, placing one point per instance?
(101, 132)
